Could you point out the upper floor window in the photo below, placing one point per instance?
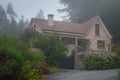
(34, 27)
(97, 29)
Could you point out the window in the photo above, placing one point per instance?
(34, 27)
(97, 29)
(101, 44)
(68, 40)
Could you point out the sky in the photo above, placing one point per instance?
(29, 8)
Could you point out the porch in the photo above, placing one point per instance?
(78, 44)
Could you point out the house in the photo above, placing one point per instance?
(89, 37)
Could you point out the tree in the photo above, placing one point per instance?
(21, 25)
(52, 47)
(13, 27)
(27, 23)
(40, 14)
(10, 11)
(4, 22)
(28, 35)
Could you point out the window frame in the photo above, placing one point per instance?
(97, 29)
(34, 27)
(101, 44)
(68, 40)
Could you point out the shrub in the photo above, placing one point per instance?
(36, 57)
(28, 35)
(119, 73)
(52, 47)
(14, 58)
(29, 73)
(101, 62)
(34, 67)
(11, 59)
(42, 68)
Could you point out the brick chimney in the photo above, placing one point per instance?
(50, 19)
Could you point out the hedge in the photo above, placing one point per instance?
(101, 62)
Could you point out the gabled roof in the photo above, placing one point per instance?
(65, 26)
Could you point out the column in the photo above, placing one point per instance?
(76, 41)
(76, 61)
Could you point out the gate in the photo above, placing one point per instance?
(67, 63)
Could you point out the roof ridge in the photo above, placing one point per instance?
(57, 21)
(94, 18)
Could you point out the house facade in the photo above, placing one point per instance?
(86, 39)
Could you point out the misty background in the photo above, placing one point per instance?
(15, 15)
(29, 8)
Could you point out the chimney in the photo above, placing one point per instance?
(50, 19)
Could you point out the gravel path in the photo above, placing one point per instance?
(84, 75)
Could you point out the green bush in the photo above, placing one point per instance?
(53, 48)
(28, 35)
(101, 62)
(14, 58)
(29, 73)
(11, 59)
(35, 67)
(54, 69)
(119, 73)
(36, 57)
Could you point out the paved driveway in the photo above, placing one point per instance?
(84, 75)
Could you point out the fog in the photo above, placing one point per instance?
(29, 8)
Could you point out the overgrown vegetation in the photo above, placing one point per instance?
(17, 61)
(29, 35)
(101, 62)
(54, 69)
(52, 47)
(119, 73)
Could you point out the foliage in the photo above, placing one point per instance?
(101, 62)
(40, 14)
(54, 69)
(34, 67)
(28, 35)
(18, 61)
(36, 57)
(119, 73)
(42, 68)
(52, 47)
(29, 73)
(11, 58)
(8, 23)
(116, 48)
(10, 10)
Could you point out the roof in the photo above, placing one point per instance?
(68, 27)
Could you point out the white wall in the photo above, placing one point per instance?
(93, 38)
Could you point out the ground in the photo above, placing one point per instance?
(84, 75)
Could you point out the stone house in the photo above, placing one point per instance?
(90, 37)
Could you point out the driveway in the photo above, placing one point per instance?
(84, 75)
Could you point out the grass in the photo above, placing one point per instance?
(53, 70)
